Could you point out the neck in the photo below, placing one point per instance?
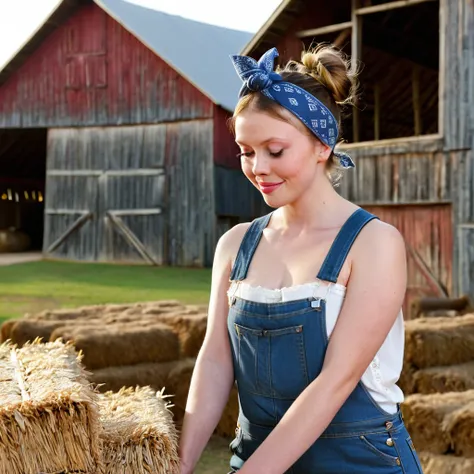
(319, 207)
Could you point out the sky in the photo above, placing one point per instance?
(20, 18)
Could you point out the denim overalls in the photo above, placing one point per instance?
(279, 348)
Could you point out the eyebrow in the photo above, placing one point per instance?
(276, 139)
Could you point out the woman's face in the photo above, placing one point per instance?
(279, 159)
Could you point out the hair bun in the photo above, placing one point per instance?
(329, 66)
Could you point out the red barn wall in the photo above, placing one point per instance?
(92, 71)
(225, 148)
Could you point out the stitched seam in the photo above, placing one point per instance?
(386, 457)
(272, 316)
(351, 434)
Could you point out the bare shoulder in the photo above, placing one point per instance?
(379, 239)
(230, 241)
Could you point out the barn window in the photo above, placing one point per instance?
(397, 44)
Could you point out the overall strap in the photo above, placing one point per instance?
(247, 248)
(342, 244)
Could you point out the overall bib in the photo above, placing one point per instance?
(278, 349)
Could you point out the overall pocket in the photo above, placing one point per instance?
(271, 362)
(377, 444)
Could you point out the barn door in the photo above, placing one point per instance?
(71, 199)
(105, 194)
(132, 193)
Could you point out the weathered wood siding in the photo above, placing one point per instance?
(457, 122)
(148, 190)
(457, 70)
(190, 193)
(235, 196)
(427, 230)
(225, 148)
(419, 171)
(91, 71)
(415, 170)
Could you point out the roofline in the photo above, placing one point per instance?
(111, 14)
(48, 26)
(252, 44)
(16, 57)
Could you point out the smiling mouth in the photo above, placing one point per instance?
(268, 188)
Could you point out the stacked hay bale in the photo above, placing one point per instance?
(48, 412)
(145, 344)
(52, 421)
(438, 379)
(138, 435)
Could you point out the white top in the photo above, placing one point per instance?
(384, 371)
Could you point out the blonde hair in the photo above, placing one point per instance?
(325, 73)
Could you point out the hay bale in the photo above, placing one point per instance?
(6, 329)
(426, 415)
(49, 420)
(406, 381)
(139, 436)
(116, 345)
(179, 380)
(439, 341)
(460, 426)
(190, 329)
(142, 375)
(435, 464)
(453, 378)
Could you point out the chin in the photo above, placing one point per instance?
(274, 201)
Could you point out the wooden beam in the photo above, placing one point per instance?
(324, 30)
(77, 224)
(389, 6)
(130, 237)
(342, 37)
(356, 57)
(377, 111)
(416, 100)
(425, 270)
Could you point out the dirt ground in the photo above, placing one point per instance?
(14, 258)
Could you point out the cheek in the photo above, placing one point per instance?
(247, 169)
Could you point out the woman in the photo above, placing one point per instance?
(310, 326)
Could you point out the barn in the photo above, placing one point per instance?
(412, 132)
(113, 138)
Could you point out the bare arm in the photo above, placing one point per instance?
(374, 296)
(213, 374)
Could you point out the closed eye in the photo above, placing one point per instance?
(247, 154)
(277, 154)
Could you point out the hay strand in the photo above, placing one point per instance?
(148, 374)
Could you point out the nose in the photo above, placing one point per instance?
(260, 165)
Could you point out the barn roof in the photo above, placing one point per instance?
(275, 27)
(198, 51)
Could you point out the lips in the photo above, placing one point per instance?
(268, 188)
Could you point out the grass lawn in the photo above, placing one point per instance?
(35, 286)
(32, 287)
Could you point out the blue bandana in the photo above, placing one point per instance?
(260, 77)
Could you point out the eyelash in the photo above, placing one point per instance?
(248, 154)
